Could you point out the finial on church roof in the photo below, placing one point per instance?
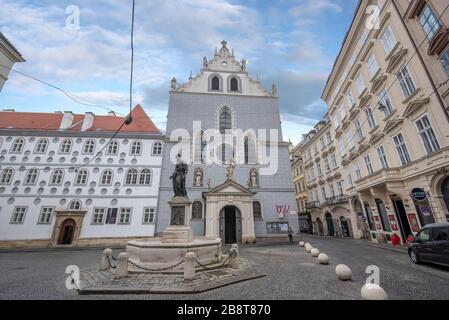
(190, 77)
(224, 44)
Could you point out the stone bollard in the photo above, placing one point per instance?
(105, 256)
(302, 244)
(234, 257)
(371, 291)
(189, 266)
(315, 252)
(344, 273)
(309, 249)
(121, 268)
(323, 259)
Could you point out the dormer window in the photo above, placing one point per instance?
(215, 85)
(234, 85)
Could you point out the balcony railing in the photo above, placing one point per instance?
(336, 200)
(313, 205)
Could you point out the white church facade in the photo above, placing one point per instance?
(63, 181)
(255, 202)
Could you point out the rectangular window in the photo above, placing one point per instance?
(326, 164)
(350, 182)
(407, 85)
(98, 215)
(370, 117)
(358, 129)
(351, 101)
(342, 111)
(340, 188)
(388, 40)
(320, 172)
(360, 84)
(18, 215)
(46, 215)
(341, 146)
(357, 171)
(329, 138)
(427, 134)
(349, 140)
(333, 161)
(111, 217)
(148, 215)
(372, 65)
(125, 216)
(429, 21)
(335, 121)
(385, 102)
(402, 150)
(369, 166)
(445, 60)
(382, 157)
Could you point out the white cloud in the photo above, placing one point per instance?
(314, 7)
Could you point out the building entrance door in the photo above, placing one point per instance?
(67, 232)
(231, 225)
(403, 220)
(330, 225)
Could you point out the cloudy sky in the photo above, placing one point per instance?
(292, 43)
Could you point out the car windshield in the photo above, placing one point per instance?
(424, 235)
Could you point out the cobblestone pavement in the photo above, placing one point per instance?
(291, 274)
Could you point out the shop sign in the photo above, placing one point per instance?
(419, 194)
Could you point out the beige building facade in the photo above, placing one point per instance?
(8, 56)
(299, 182)
(391, 125)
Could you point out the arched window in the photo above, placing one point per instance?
(81, 177)
(136, 148)
(31, 177)
(106, 178)
(7, 175)
(157, 149)
(66, 146)
(225, 120)
(56, 177)
(75, 205)
(215, 83)
(445, 192)
(369, 214)
(145, 177)
(383, 215)
(17, 146)
(257, 210)
(197, 210)
(234, 85)
(112, 148)
(41, 146)
(131, 177)
(89, 147)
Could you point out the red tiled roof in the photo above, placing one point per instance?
(52, 121)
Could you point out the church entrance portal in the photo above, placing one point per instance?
(231, 225)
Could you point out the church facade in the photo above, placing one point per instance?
(227, 128)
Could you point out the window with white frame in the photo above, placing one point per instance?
(18, 215)
(342, 111)
(340, 188)
(326, 164)
(329, 138)
(81, 177)
(357, 171)
(341, 146)
(351, 101)
(444, 58)
(429, 21)
(148, 215)
(332, 190)
(125, 216)
(333, 160)
(17, 145)
(320, 172)
(112, 148)
(370, 118)
(46, 215)
(335, 121)
(385, 102)
(98, 215)
(427, 134)
(56, 177)
(136, 148)
(368, 164)
(7, 175)
(372, 65)
(382, 157)
(358, 129)
(75, 205)
(349, 140)
(360, 84)
(89, 147)
(41, 146)
(349, 178)
(157, 149)
(388, 40)
(131, 177)
(145, 177)
(402, 150)
(31, 177)
(106, 177)
(323, 193)
(405, 80)
(66, 146)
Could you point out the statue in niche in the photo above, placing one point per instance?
(179, 178)
(230, 170)
(198, 178)
(253, 177)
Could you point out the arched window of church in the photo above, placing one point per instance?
(215, 83)
(246, 150)
(234, 85)
(257, 210)
(197, 210)
(145, 177)
(75, 205)
(225, 120)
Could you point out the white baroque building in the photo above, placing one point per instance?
(62, 183)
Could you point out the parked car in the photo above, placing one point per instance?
(431, 245)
